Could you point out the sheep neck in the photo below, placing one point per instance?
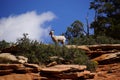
(52, 36)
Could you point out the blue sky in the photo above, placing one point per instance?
(63, 12)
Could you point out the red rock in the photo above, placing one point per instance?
(10, 66)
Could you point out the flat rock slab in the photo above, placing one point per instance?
(18, 68)
(5, 72)
(63, 68)
(72, 75)
(15, 76)
(107, 56)
(10, 66)
(31, 65)
(82, 47)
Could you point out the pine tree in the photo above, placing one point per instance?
(106, 22)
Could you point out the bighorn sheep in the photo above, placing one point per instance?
(57, 39)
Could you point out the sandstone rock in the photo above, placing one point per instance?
(108, 57)
(22, 59)
(26, 70)
(63, 68)
(74, 75)
(56, 57)
(31, 65)
(36, 68)
(66, 72)
(15, 76)
(18, 68)
(8, 56)
(52, 64)
(75, 67)
(10, 66)
(104, 47)
(5, 72)
(83, 47)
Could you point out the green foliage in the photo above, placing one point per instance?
(91, 65)
(40, 53)
(75, 30)
(4, 44)
(106, 40)
(75, 35)
(84, 40)
(107, 13)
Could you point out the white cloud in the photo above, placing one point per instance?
(12, 27)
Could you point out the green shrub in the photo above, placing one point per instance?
(84, 40)
(106, 40)
(4, 44)
(40, 53)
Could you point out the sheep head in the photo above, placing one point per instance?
(51, 32)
